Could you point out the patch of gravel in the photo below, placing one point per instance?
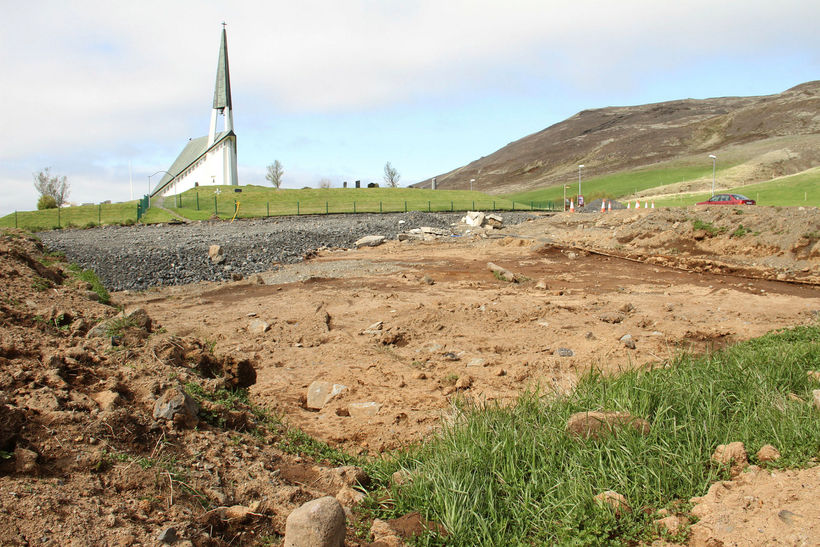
(139, 257)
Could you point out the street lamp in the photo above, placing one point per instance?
(714, 161)
(579, 179)
(149, 182)
(471, 184)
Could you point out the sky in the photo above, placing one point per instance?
(108, 93)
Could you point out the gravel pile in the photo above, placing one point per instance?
(139, 257)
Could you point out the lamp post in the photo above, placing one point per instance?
(579, 179)
(149, 183)
(565, 198)
(471, 184)
(714, 162)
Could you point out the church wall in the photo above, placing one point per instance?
(214, 168)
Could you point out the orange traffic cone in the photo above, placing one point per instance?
(609, 206)
(645, 204)
(629, 205)
(653, 205)
(571, 206)
(637, 204)
(603, 206)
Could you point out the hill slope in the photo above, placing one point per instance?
(771, 135)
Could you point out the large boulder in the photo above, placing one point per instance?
(369, 241)
(317, 523)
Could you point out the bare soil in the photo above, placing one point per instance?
(401, 325)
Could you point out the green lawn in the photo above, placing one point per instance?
(79, 216)
(615, 186)
(514, 476)
(802, 189)
(258, 201)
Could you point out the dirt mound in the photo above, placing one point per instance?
(113, 431)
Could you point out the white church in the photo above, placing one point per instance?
(208, 160)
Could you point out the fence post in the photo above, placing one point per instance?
(405, 206)
(15, 218)
(513, 205)
(493, 205)
(473, 205)
(327, 209)
(428, 206)
(216, 208)
(197, 201)
(234, 207)
(380, 206)
(451, 207)
(297, 208)
(354, 206)
(58, 217)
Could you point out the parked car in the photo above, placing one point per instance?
(728, 199)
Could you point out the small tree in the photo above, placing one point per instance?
(275, 173)
(55, 187)
(391, 175)
(324, 183)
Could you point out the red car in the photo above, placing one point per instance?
(728, 199)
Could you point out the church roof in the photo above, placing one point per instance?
(195, 149)
(222, 90)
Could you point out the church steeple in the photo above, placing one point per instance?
(222, 90)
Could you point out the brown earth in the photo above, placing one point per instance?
(762, 137)
(103, 470)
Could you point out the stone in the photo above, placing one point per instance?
(11, 423)
(320, 393)
(378, 325)
(733, 454)
(628, 341)
(816, 395)
(384, 535)
(671, 524)
(92, 295)
(464, 382)
(420, 375)
(25, 461)
(317, 523)
(593, 425)
(473, 219)
(349, 475)
(475, 362)
(615, 500)
(768, 453)
(349, 497)
(493, 220)
(258, 326)
(140, 319)
(402, 476)
(107, 399)
(450, 356)
(369, 241)
(237, 513)
(427, 280)
(542, 285)
(216, 254)
(168, 535)
(500, 372)
(178, 406)
(564, 352)
(611, 317)
(363, 410)
(502, 274)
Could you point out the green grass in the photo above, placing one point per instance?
(90, 276)
(81, 216)
(616, 185)
(513, 476)
(802, 189)
(259, 201)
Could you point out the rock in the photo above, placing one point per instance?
(92, 295)
(106, 399)
(671, 524)
(402, 476)
(500, 372)
(616, 501)
(384, 535)
(363, 410)
(564, 352)
(168, 535)
(473, 219)
(25, 461)
(464, 382)
(258, 326)
(320, 393)
(493, 220)
(11, 423)
(317, 523)
(768, 453)
(216, 254)
(237, 513)
(420, 375)
(502, 274)
(236, 276)
(377, 326)
(611, 317)
(475, 362)
(628, 341)
(816, 395)
(593, 425)
(542, 285)
(349, 497)
(733, 454)
(427, 280)
(627, 308)
(140, 319)
(369, 241)
(178, 406)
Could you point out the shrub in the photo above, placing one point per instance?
(46, 202)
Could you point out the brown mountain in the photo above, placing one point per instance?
(763, 137)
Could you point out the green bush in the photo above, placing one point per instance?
(46, 202)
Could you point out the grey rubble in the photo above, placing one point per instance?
(139, 257)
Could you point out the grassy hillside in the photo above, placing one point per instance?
(257, 201)
(80, 216)
(796, 190)
(615, 186)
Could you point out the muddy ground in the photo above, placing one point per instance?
(406, 325)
